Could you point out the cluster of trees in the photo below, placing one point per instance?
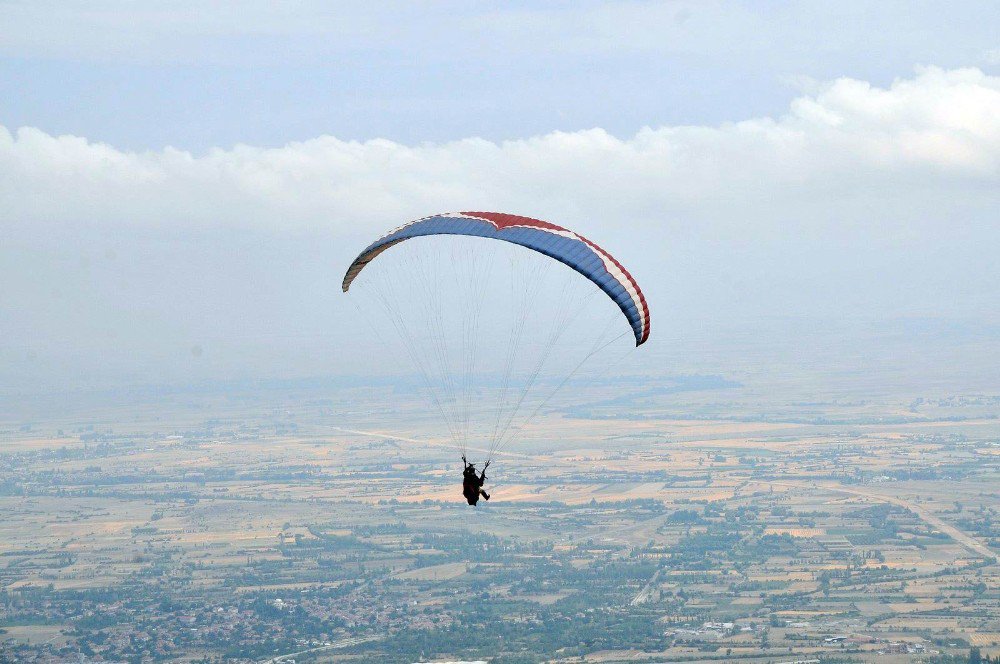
(975, 656)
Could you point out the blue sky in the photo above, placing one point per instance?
(177, 174)
(196, 76)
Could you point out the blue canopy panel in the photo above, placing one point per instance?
(554, 241)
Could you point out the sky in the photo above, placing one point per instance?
(181, 186)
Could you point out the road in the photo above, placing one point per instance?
(343, 643)
(927, 517)
(647, 591)
(962, 538)
(429, 442)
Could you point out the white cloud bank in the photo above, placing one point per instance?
(858, 197)
(938, 130)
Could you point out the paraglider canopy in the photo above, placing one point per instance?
(494, 329)
(546, 238)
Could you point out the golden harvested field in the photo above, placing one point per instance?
(984, 638)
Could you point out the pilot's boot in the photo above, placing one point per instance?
(485, 495)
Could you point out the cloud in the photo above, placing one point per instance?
(858, 198)
(939, 129)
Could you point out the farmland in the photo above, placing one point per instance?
(712, 523)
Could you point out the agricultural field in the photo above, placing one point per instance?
(697, 519)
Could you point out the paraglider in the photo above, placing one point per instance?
(434, 301)
(472, 484)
